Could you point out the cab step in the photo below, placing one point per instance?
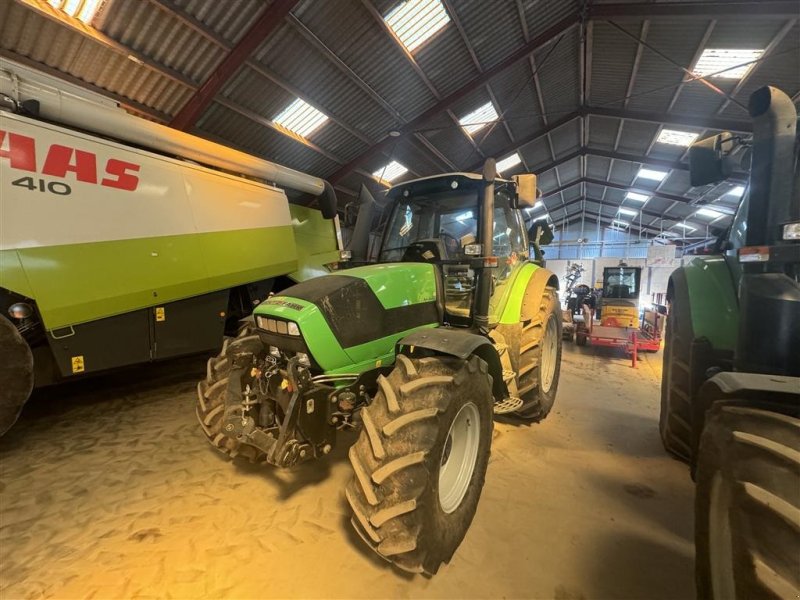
(508, 405)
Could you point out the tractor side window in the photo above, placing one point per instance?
(410, 222)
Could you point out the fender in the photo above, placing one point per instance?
(461, 344)
(711, 292)
(528, 286)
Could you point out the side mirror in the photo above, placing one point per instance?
(328, 202)
(526, 190)
(709, 161)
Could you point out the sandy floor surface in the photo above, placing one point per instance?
(108, 490)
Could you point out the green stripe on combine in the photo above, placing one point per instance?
(76, 283)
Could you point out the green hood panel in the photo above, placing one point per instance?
(352, 320)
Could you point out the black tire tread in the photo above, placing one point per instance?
(210, 405)
(388, 459)
(757, 453)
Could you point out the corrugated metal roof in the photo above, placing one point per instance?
(185, 40)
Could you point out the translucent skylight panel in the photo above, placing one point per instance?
(675, 137)
(507, 163)
(637, 197)
(730, 61)
(685, 227)
(736, 191)
(390, 172)
(710, 212)
(536, 206)
(84, 10)
(651, 174)
(621, 222)
(628, 211)
(479, 118)
(301, 118)
(416, 21)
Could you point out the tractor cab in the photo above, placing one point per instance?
(619, 306)
(436, 220)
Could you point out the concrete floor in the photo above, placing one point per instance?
(108, 490)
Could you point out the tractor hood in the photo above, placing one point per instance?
(350, 320)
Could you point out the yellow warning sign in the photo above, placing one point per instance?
(78, 365)
(160, 314)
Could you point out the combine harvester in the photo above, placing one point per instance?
(123, 241)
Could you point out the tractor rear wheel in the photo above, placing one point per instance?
(747, 505)
(675, 421)
(420, 460)
(211, 392)
(540, 358)
(16, 374)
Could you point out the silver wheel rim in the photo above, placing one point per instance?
(549, 352)
(459, 456)
(720, 548)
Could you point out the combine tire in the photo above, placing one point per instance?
(747, 506)
(420, 460)
(675, 422)
(16, 374)
(211, 401)
(540, 358)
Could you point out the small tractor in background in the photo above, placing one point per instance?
(452, 324)
(617, 309)
(730, 395)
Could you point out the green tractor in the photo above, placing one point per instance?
(730, 396)
(453, 323)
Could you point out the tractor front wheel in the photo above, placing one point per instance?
(420, 460)
(211, 392)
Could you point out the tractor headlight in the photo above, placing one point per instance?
(282, 328)
(293, 328)
(268, 324)
(20, 310)
(791, 231)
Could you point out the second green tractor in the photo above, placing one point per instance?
(452, 324)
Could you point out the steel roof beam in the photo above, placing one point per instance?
(666, 118)
(616, 186)
(763, 9)
(268, 22)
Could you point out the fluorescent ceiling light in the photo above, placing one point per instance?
(714, 60)
(479, 118)
(736, 191)
(416, 21)
(651, 174)
(668, 234)
(628, 211)
(710, 212)
(300, 118)
(685, 227)
(509, 162)
(620, 222)
(676, 138)
(83, 10)
(390, 172)
(637, 196)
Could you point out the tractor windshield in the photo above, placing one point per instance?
(438, 227)
(621, 282)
